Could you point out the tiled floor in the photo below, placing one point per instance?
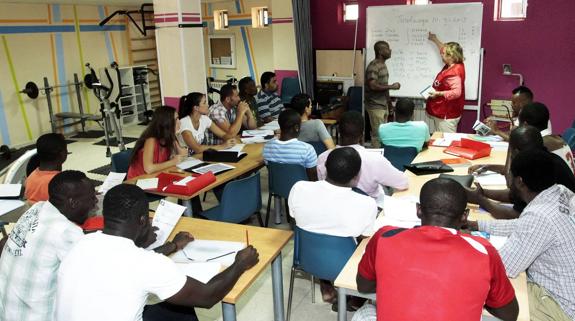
(257, 303)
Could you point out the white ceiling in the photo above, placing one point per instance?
(98, 2)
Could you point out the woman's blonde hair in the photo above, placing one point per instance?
(454, 50)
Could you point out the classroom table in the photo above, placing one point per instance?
(269, 244)
(345, 282)
(250, 163)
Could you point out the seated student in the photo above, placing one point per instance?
(230, 115)
(288, 149)
(537, 115)
(332, 207)
(39, 241)
(248, 92)
(434, 272)
(541, 241)
(521, 96)
(312, 130)
(404, 132)
(194, 123)
(521, 138)
(376, 170)
(157, 148)
(268, 102)
(52, 153)
(109, 275)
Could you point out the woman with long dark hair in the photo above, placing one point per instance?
(194, 123)
(157, 148)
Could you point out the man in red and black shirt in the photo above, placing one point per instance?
(433, 272)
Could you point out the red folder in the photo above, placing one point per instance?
(166, 183)
(468, 148)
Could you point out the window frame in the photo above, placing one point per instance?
(497, 14)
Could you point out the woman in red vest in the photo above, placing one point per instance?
(445, 104)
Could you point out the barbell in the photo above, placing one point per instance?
(31, 89)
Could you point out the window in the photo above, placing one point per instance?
(418, 1)
(221, 19)
(510, 9)
(350, 11)
(221, 51)
(260, 18)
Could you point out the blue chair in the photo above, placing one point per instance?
(322, 256)
(355, 98)
(281, 178)
(319, 147)
(290, 88)
(399, 156)
(121, 161)
(240, 200)
(569, 137)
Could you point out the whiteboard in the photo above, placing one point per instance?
(415, 60)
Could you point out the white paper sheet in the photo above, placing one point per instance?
(253, 140)
(258, 132)
(490, 178)
(111, 180)
(214, 168)
(273, 125)
(167, 216)
(147, 183)
(10, 190)
(223, 252)
(189, 162)
(398, 211)
(184, 181)
(7, 206)
(426, 92)
(236, 148)
(203, 271)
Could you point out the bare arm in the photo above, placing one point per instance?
(312, 173)
(329, 144)
(197, 294)
(250, 121)
(364, 285)
(199, 148)
(507, 312)
(374, 86)
(433, 37)
(2, 243)
(149, 165)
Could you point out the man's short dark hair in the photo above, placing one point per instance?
(522, 90)
(50, 147)
(342, 165)
(124, 203)
(535, 114)
(243, 83)
(266, 78)
(288, 119)
(226, 91)
(300, 102)
(443, 197)
(404, 107)
(351, 124)
(526, 137)
(536, 169)
(64, 186)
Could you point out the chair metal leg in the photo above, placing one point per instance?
(260, 220)
(288, 217)
(3, 231)
(312, 289)
(205, 194)
(268, 209)
(290, 295)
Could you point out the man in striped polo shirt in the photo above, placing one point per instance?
(288, 149)
(268, 102)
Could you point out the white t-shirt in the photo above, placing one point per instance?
(198, 134)
(30, 261)
(321, 207)
(107, 277)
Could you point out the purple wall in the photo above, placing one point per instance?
(542, 48)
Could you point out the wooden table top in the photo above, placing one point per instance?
(346, 279)
(329, 122)
(269, 243)
(251, 162)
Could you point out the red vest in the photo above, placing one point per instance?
(440, 107)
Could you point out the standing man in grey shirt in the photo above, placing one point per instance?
(377, 101)
(542, 240)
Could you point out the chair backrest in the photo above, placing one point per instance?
(121, 161)
(355, 98)
(321, 255)
(282, 177)
(290, 88)
(399, 156)
(319, 147)
(241, 199)
(17, 172)
(569, 137)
